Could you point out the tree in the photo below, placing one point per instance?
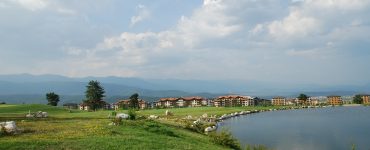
(303, 97)
(94, 95)
(52, 98)
(134, 101)
(357, 99)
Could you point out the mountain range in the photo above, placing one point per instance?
(27, 88)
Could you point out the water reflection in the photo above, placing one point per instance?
(316, 128)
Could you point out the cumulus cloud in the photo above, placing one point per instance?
(247, 39)
(143, 13)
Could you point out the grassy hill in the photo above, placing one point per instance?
(90, 130)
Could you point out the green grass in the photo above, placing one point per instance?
(90, 130)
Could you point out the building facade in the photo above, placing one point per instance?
(125, 104)
(365, 99)
(182, 102)
(233, 100)
(278, 101)
(334, 100)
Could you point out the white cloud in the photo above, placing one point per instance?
(33, 4)
(338, 4)
(143, 14)
(296, 25)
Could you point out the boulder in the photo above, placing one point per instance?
(122, 116)
(9, 126)
(153, 117)
(205, 115)
(30, 116)
(44, 114)
(210, 129)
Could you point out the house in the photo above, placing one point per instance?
(278, 101)
(103, 105)
(84, 106)
(365, 99)
(334, 100)
(125, 104)
(233, 100)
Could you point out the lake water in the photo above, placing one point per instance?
(333, 128)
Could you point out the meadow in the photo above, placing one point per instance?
(76, 129)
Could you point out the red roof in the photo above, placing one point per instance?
(232, 96)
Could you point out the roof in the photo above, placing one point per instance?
(233, 96)
(169, 99)
(279, 97)
(127, 101)
(193, 98)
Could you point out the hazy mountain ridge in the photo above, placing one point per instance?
(17, 88)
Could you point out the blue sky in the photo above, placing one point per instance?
(300, 41)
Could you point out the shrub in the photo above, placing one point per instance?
(117, 121)
(225, 138)
(131, 114)
(2, 131)
(113, 114)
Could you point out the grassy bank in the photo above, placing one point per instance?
(90, 130)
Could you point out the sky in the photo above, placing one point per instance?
(298, 41)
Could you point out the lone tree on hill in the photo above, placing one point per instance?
(94, 95)
(357, 99)
(134, 101)
(303, 97)
(52, 98)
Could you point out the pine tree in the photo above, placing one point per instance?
(94, 95)
(134, 101)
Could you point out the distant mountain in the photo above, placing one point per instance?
(32, 88)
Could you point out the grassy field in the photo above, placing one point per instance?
(90, 130)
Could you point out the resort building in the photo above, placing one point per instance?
(182, 102)
(334, 100)
(233, 100)
(278, 101)
(311, 101)
(365, 99)
(125, 104)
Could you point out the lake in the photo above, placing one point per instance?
(305, 129)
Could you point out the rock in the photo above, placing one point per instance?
(210, 129)
(122, 116)
(189, 117)
(9, 126)
(153, 117)
(44, 114)
(205, 115)
(30, 116)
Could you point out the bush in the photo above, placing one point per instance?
(113, 114)
(225, 138)
(2, 131)
(117, 121)
(131, 114)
